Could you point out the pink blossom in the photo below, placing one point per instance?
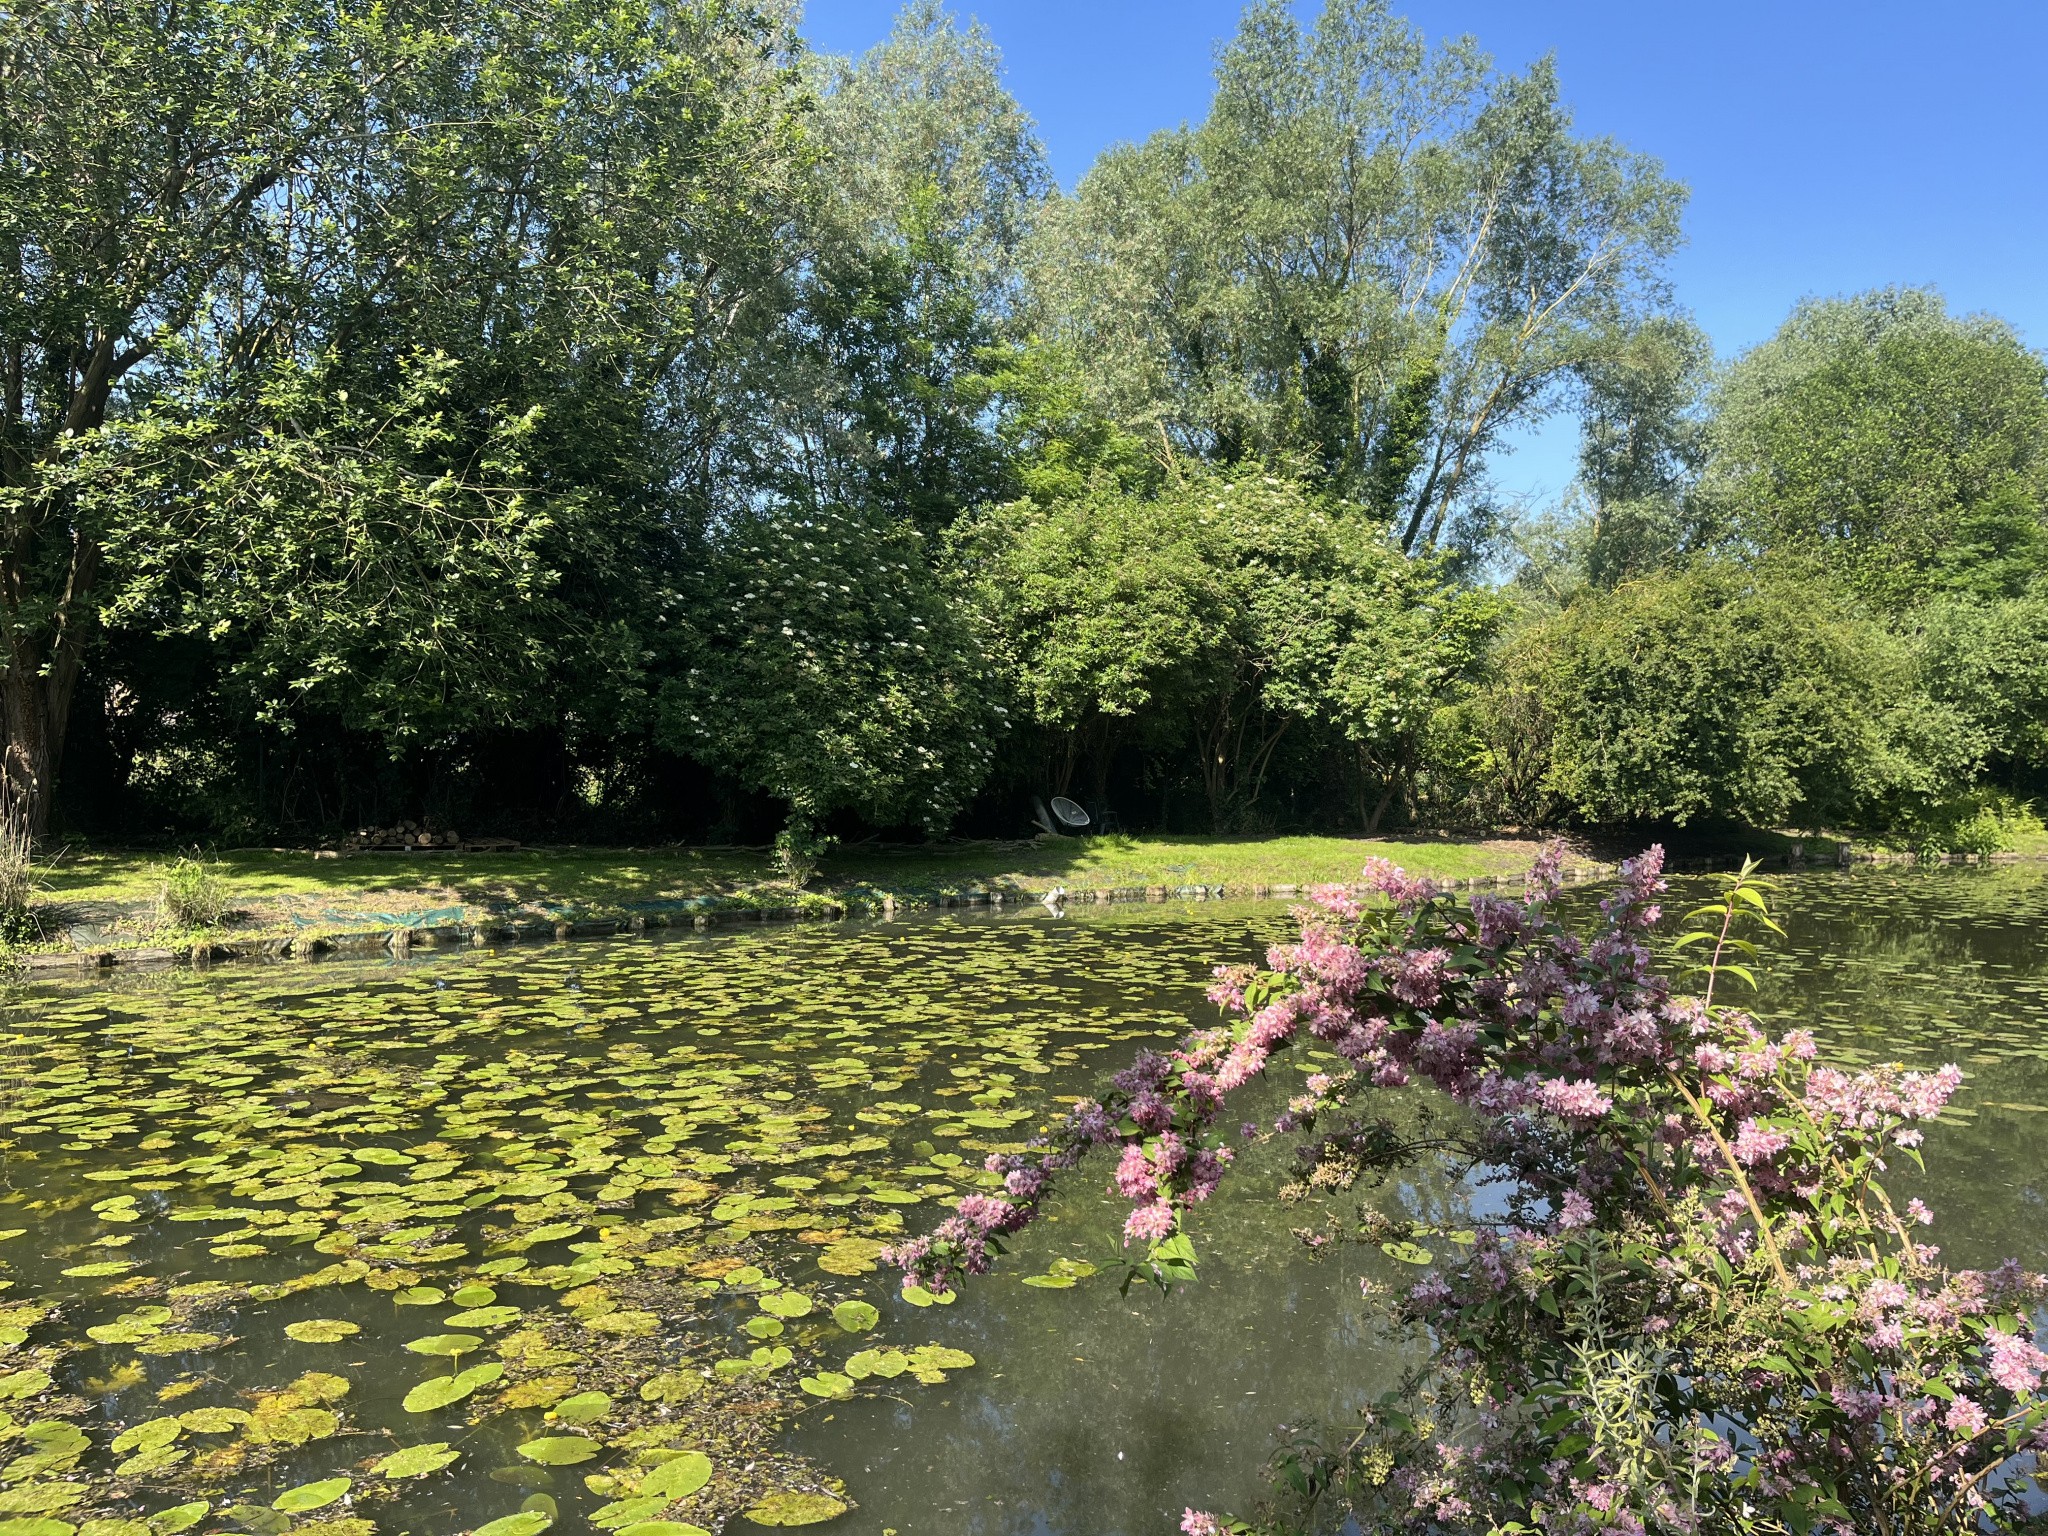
(1575, 1212)
(1196, 1522)
(1574, 1100)
(1757, 1143)
(2016, 1364)
(1152, 1222)
(1966, 1417)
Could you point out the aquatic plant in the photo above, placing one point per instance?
(1698, 1310)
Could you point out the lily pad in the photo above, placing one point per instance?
(446, 1344)
(296, 1501)
(446, 1391)
(679, 1476)
(794, 1508)
(528, 1522)
(583, 1408)
(417, 1460)
(855, 1316)
(322, 1330)
(560, 1450)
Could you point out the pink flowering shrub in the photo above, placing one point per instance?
(1700, 1311)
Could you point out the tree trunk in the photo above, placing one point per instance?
(32, 748)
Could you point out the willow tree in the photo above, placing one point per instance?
(1375, 254)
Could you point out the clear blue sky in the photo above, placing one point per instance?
(1831, 145)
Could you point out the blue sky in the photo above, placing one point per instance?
(1830, 146)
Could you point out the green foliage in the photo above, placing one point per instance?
(1988, 659)
(818, 658)
(1719, 694)
(1228, 610)
(1985, 820)
(1905, 447)
(192, 892)
(1372, 255)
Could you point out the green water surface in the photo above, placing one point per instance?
(584, 1237)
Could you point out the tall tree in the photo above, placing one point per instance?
(340, 338)
(1892, 441)
(1374, 254)
(928, 179)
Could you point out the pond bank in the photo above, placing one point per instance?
(99, 907)
(99, 911)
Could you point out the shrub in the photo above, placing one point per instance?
(1695, 1310)
(192, 893)
(1983, 821)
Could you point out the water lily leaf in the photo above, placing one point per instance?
(444, 1391)
(583, 1408)
(796, 1509)
(827, 1384)
(179, 1343)
(671, 1387)
(149, 1434)
(528, 1522)
(474, 1296)
(662, 1528)
(679, 1476)
(105, 1267)
(419, 1296)
(1408, 1253)
(560, 1450)
(296, 1501)
(36, 1525)
(445, 1344)
(321, 1330)
(213, 1421)
(786, 1304)
(855, 1316)
(484, 1317)
(877, 1362)
(41, 1498)
(417, 1460)
(179, 1517)
(1051, 1282)
(765, 1327)
(381, 1157)
(15, 1385)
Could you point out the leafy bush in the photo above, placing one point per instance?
(192, 893)
(1719, 693)
(798, 849)
(1983, 821)
(1692, 1308)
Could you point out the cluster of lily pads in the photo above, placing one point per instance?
(489, 1242)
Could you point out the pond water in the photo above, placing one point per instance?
(586, 1234)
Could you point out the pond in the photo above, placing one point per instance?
(586, 1235)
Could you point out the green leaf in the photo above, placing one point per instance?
(445, 1344)
(679, 1476)
(855, 1316)
(583, 1408)
(1408, 1253)
(321, 1330)
(296, 1501)
(416, 1460)
(528, 1522)
(560, 1450)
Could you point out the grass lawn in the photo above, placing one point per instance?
(107, 899)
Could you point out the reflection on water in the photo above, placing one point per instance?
(1922, 966)
(632, 1180)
